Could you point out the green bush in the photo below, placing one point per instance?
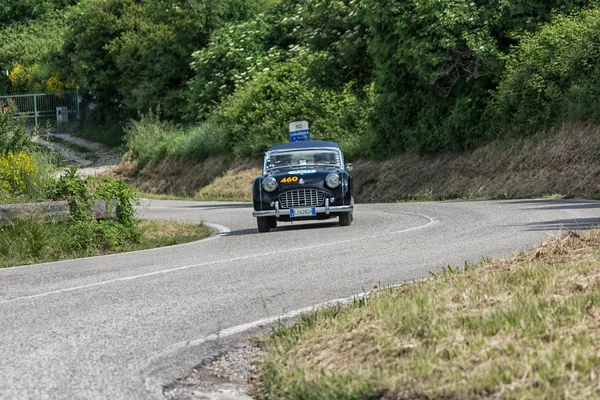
(150, 138)
(25, 170)
(235, 54)
(553, 75)
(436, 63)
(136, 55)
(13, 135)
(30, 52)
(85, 231)
(15, 12)
(258, 115)
(201, 141)
(238, 52)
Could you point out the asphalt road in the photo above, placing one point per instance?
(118, 327)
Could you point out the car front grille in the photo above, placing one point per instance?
(302, 198)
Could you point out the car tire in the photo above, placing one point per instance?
(345, 219)
(272, 222)
(263, 224)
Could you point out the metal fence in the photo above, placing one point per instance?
(55, 111)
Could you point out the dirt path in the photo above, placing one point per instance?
(92, 158)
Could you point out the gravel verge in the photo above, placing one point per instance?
(224, 377)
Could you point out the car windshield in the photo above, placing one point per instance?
(302, 158)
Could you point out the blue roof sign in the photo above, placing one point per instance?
(299, 132)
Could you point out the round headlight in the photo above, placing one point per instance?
(269, 184)
(333, 180)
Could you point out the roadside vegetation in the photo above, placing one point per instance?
(522, 327)
(184, 81)
(27, 175)
(32, 241)
(195, 78)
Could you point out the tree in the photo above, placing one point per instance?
(437, 61)
(136, 55)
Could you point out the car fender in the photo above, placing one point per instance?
(257, 193)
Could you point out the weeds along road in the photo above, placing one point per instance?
(120, 326)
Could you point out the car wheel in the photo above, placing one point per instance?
(263, 223)
(345, 219)
(272, 222)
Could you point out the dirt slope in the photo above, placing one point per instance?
(564, 162)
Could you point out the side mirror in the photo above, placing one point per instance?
(349, 167)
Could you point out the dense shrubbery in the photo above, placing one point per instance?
(136, 55)
(257, 116)
(85, 231)
(149, 138)
(25, 170)
(14, 12)
(436, 62)
(13, 135)
(380, 76)
(297, 60)
(234, 54)
(30, 52)
(553, 76)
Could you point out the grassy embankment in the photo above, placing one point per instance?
(32, 241)
(522, 327)
(562, 162)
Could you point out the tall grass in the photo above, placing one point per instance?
(31, 240)
(150, 138)
(524, 327)
(25, 177)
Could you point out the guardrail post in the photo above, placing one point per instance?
(35, 110)
(78, 109)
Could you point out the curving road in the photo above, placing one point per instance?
(120, 326)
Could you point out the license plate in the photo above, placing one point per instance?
(303, 212)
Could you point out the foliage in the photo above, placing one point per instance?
(30, 53)
(149, 138)
(235, 53)
(18, 174)
(238, 52)
(13, 135)
(25, 177)
(32, 240)
(135, 56)
(86, 231)
(257, 116)
(15, 12)
(553, 75)
(436, 62)
(335, 28)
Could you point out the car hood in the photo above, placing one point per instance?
(306, 177)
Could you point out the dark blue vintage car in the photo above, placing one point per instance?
(303, 181)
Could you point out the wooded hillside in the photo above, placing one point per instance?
(198, 77)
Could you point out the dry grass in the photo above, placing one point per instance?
(181, 177)
(524, 327)
(235, 185)
(156, 230)
(562, 162)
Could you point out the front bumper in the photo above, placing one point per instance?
(277, 212)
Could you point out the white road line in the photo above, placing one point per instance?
(154, 386)
(223, 230)
(432, 221)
